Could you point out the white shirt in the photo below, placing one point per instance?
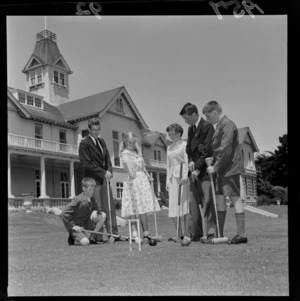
(197, 171)
(94, 140)
(198, 121)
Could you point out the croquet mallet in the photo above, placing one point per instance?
(157, 237)
(178, 207)
(111, 238)
(102, 233)
(219, 239)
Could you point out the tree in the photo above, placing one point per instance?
(273, 167)
(272, 174)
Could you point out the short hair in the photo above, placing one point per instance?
(93, 121)
(212, 106)
(176, 127)
(188, 109)
(86, 182)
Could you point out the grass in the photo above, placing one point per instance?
(41, 263)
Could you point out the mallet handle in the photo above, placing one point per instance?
(215, 201)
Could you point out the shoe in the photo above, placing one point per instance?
(203, 238)
(71, 240)
(96, 242)
(175, 239)
(238, 240)
(209, 239)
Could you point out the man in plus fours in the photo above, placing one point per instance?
(228, 165)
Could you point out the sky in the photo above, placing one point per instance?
(167, 61)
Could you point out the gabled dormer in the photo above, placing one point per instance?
(28, 99)
(47, 72)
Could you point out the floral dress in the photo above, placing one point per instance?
(176, 155)
(137, 197)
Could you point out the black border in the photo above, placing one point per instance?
(291, 8)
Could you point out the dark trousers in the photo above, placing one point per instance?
(101, 198)
(201, 194)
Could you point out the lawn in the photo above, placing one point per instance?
(41, 263)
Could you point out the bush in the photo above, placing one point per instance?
(280, 193)
(265, 200)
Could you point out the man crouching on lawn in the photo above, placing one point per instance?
(83, 213)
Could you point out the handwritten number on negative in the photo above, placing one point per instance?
(95, 8)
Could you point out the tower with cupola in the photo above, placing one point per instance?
(47, 72)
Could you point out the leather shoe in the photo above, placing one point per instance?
(96, 242)
(71, 240)
(208, 239)
(238, 240)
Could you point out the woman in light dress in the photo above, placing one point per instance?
(137, 197)
(176, 155)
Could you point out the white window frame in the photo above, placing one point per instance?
(64, 184)
(27, 96)
(119, 190)
(54, 76)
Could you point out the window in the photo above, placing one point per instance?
(21, 98)
(250, 161)
(62, 79)
(119, 186)
(64, 184)
(39, 75)
(119, 107)
(37, 183)
(62, 136)
(38, 131)
(84, 133)
(159, 155)
(116, 148)
(29, 100)
(243, 156)
(63, 140)
(32, 78)
(38, 134)
(38, 102)
(55, 76)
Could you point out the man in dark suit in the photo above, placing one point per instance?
(200, 133)
(228, 165)
(95, 159)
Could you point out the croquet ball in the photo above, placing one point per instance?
(152, 242)
(185, 243)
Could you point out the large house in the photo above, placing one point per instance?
(45, 128)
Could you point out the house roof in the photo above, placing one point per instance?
(243, 132)
(49, 114)
(150, 138)
(89, 105)
(46, 51)
(23, 110)
(98, 104)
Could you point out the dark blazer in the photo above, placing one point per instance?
(199, 145)
(78, 211)
(94, 164)
(226, 149)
